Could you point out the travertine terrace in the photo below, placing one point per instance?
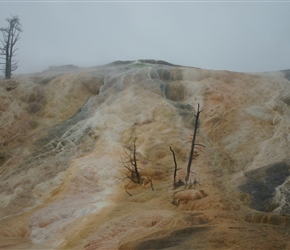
(62, 138)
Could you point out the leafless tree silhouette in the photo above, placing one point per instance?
(11, 34)
(193, 144)
(131, 164)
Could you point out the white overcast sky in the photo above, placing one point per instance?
(220, 35)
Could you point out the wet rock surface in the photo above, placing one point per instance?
(262, 183)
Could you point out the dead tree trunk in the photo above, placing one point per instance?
(131, 165)
(175, 168)
(192, 145)
(135, 164)
(11, 35)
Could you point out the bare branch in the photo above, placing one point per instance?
(192, 146)
(14, 51)
(127, 153)
(128, 193)
(151, 182)
(200, 150)
(175, 168)
(132, 179)
(125, 166)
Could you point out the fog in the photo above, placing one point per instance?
(222, 35)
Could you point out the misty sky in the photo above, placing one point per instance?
(222, 35)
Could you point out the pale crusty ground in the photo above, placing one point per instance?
(62, 140)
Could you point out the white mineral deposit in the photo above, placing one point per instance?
(67, 177)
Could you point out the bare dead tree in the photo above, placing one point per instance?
(131, 164)
(192, 145)
(175, 184)
(134, 163)
(11, 35)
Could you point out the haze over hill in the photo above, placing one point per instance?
(63, 133)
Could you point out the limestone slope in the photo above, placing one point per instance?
(64, 139)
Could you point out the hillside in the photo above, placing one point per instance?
(64, 138)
